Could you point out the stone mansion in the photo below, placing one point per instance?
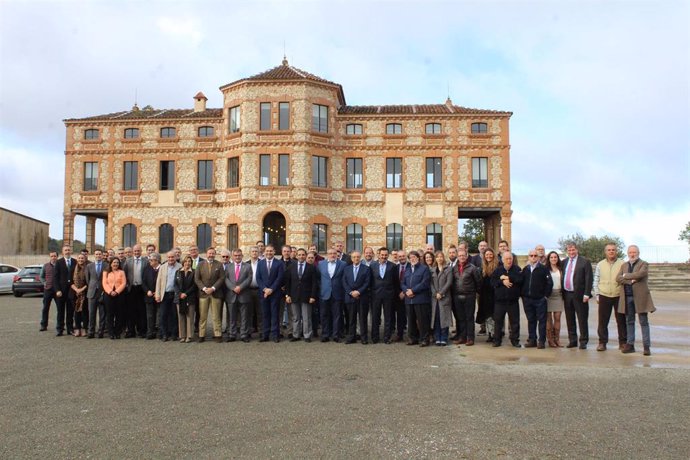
(287, 160)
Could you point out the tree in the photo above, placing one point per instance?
(685, 234)
(472, 233)
(593, 246)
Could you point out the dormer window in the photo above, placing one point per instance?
(479, 128)
(353, 129)
(393, 128)
(132, 133)
(433, 128)
(91, 134)
(168, 132)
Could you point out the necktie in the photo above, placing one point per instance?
(268, 264)
(412, 269)
(569, 276)
(98, 269)
(382, 271)
(402, 272)
(237, 272)
(356, 268)
(69, 265)
(194, 264)
(301, 270)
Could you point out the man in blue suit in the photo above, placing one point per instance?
(356, 282)
(331, 295)
(385, 288)
(269, 277)
(416, 286)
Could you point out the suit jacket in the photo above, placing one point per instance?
(148, 280)
(209, 274)
(129, 270)
(476, 260)
(302, 289)
(346, 258)
(641, 295)
(361, 283)
(62, 279)
(331, 287)
(583, 277)
(389, 285)
(419, 282)
(93, 281)
(162, 279)
(245, 279)
(273, 280)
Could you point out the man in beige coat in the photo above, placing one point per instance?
(209, 277)
(635, 298)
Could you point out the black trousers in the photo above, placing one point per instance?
(512, 308)
(418, 321)
(606, 305)
(113, 308)
(360, 309)
(464, 306)
(330, 318)
(48, 297)
(152, 308)
(255, 309)
(65, 313)
(135, 311)
(399, 318)
(384, 304)
(576, 313)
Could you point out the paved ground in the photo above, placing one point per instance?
(77, 398)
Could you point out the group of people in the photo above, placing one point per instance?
(343, 297)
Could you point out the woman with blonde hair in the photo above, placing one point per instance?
(78, 295)
(485, 312)
(441, 299)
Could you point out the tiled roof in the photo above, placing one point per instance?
(148, 114)
(422, 109)
(284, 72)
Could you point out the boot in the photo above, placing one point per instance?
(627, 348)
(557, 335)
(550, 336)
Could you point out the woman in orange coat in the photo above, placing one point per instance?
(114, 283)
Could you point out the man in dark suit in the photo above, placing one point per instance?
(576, 284)
(135, 311)
(148, 284)
(331, 295)
(209, 278)
(285, 314)
(238, 277)
(196, 259)
(356, 281)
(64, 272)
(416, 286)
(301, 290)
(385, 288)
(339, 246)
(269, 276)
(94, 291)
(399, 306)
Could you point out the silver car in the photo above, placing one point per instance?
(7, 273)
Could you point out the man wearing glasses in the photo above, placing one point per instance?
(536, 287)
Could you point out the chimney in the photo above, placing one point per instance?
(200, 102)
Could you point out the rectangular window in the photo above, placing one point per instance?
(393, 172)
(131, 177)
(283, 169)
(167, 175)
(168, 132)
(90, 176)
(433, 128)
(480, 173)
(318, 236)
(318, 171)
(132, 133)
(284, 116)
(393, 128)
(233, 237)
(479, 128)
(91, 134)
(205, 131)
(265, 170)
(354, 173)
(433, 173)
(265, 116)
(319, 118)
(233, 172)
(234, 119)
(353, 128)
(205, 175)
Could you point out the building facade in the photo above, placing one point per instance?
(287, 160)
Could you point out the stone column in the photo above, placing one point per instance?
(106, 243)
(506, 222)
(68, 228)
(90, 234)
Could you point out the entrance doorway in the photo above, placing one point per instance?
(274, 230)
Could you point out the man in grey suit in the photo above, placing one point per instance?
(94, 275)
(238, 277)
(135, 312)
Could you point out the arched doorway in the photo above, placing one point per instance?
(274, 230)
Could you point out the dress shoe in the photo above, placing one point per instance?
(91, 336)
(277, 340)
(129, 336)
(100, 335)
(324, 339)
(336, 339)
(413, 342)
(387, 342)
(482, 330)
(231, 339)
(218, 339)
(246, 339)
(601, 347)
(541, 346)
(424, 343)
(621, 346)
(496, 344)
(202, 339)
(294, 339)
(349, 341)
(647, 351)
(443, 343)
(469, 342)
(571, 345)
(59, 334)
(112, 337)
(628, 348)
(583, 346)
(397, 338)
(365, 342)
(43, 328)
(375, 341)
(263, 339)
(530, 344)
(308, 340)
(489, 339)
(516, 344)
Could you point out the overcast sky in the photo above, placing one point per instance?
(599, 89)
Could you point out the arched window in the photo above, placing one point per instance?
(233, 237)
(393, 128)
(433, 128)
(394, 236)
(434, 235)
(168, 132)
(203, 237)
(479, 128)
(353, 129)
(91, 134)
(131, 133)
(205, 131)
(165, 238)
(129, 235)
(353, 240)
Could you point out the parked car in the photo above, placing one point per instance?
(27, 280)
(7, 273)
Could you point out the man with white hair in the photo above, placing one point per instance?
(635, 298)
